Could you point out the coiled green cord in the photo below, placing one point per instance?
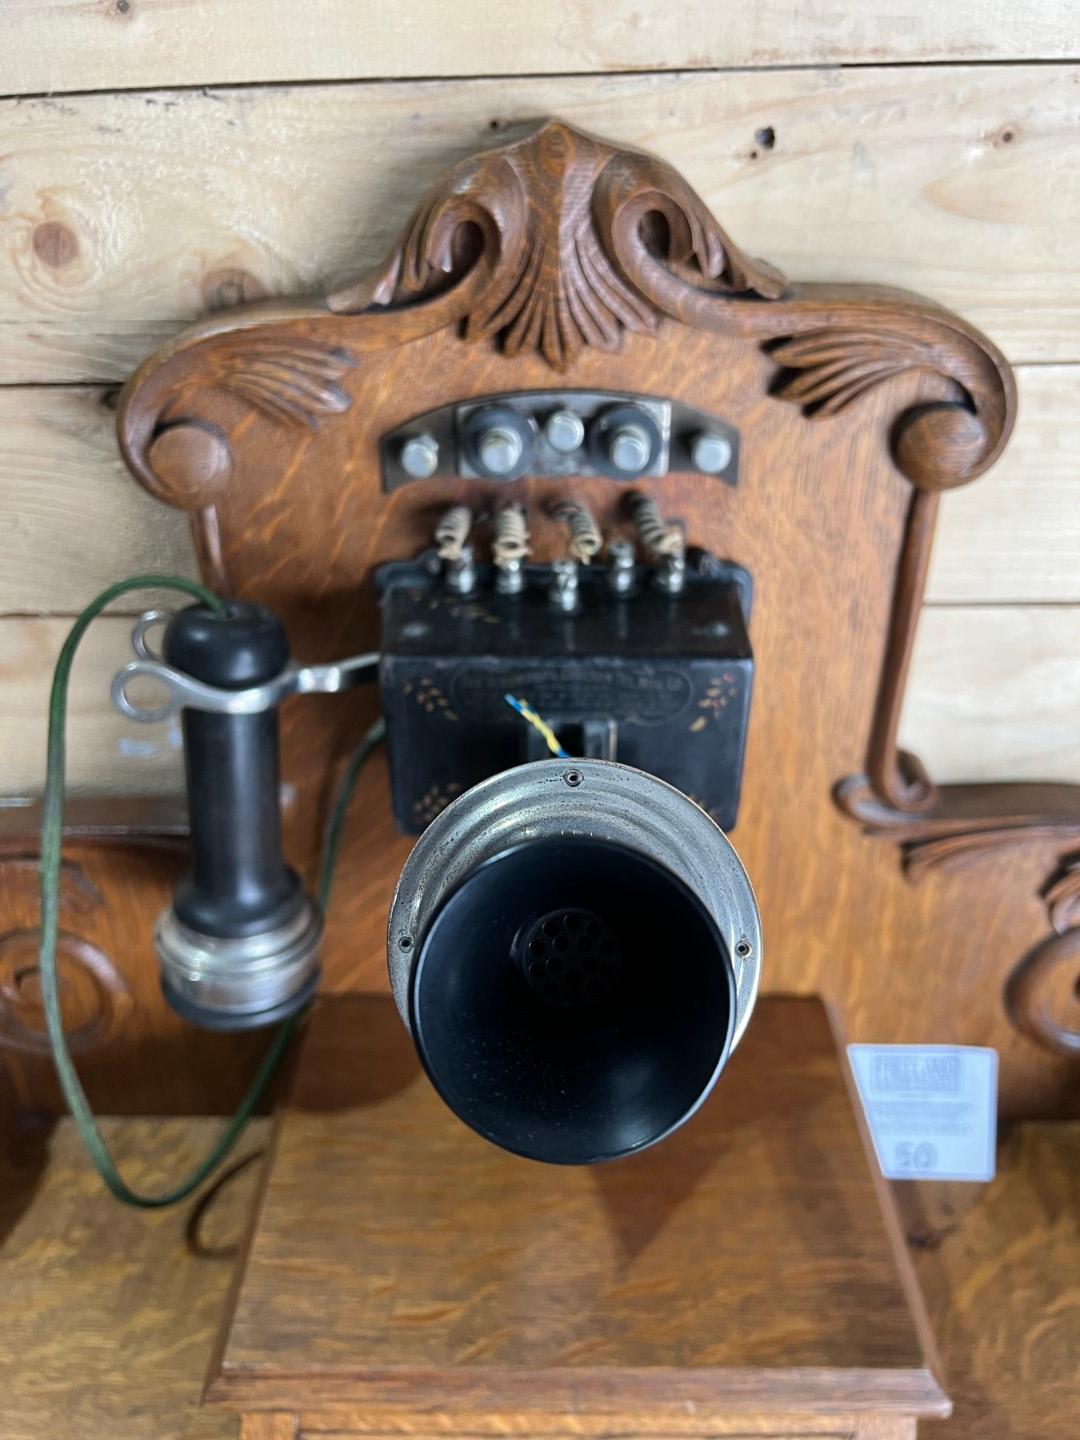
(51, 843)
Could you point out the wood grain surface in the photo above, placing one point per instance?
(270, 431)
(110, 1313)
(58, 45)
(107, 754)
(133, 1052)
(995, 692)
(993, 1262)
(344, 1422)
(559, 256)
(400, 1264)
(1015, 539)
(993, 696)
(999, 1266)
(72, 522)
(128, 214)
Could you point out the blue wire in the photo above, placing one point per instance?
(528, 713)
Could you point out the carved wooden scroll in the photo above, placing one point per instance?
(1058, 955)
(562, 261)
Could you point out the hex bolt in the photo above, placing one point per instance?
(419, 456)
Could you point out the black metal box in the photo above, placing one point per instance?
(655, 681)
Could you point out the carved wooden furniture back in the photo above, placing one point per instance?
(560, 261)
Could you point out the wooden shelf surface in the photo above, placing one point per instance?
(401, 1263)
(109, 1314)
(999, 1266)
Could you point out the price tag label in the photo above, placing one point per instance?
(932, 1109)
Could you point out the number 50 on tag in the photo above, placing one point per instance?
(932, 1109)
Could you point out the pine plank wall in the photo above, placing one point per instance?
(159, 158)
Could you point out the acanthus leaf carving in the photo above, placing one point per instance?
(290, 379)
(687, 252)
(545, 241)
(831, 368)
(558, 243)
(937, 445)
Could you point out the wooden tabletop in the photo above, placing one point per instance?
(400, 1262)
(107, 1315)
(999, 1265)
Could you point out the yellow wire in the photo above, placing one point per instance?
(525, 710)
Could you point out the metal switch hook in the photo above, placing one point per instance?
(185, 691)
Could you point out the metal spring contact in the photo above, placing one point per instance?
(585, 537)
(657, 536)
(452, 532)
(511, 535)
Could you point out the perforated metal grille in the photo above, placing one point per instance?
(571, 958)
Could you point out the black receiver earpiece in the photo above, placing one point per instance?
(239, 946)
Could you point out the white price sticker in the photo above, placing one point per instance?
(932, 1109)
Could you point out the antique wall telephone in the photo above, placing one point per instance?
(564, 360)
(574, 944)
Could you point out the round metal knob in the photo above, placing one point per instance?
(710, 452)
(497, 441)
(500, 450)
(420, 456)
(564, 431)
(629, 448)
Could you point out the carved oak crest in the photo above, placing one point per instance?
(558, 244)
(551, 262)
